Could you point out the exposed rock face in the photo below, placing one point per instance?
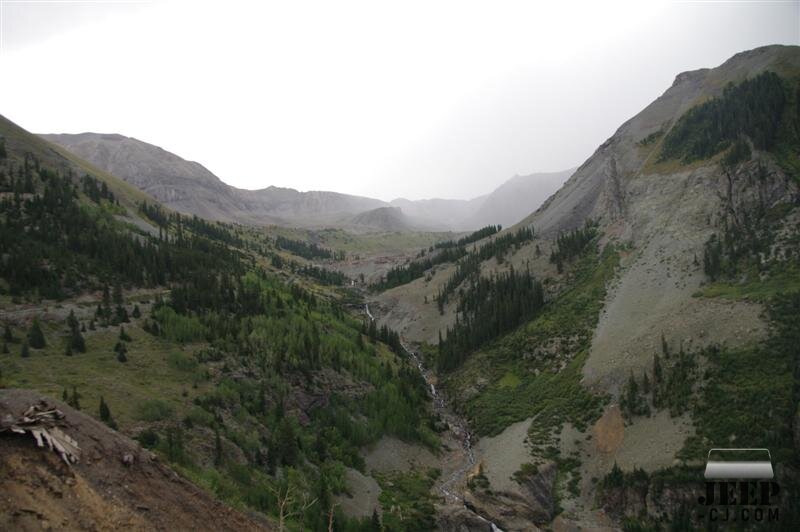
(456, 518)
(532, 503)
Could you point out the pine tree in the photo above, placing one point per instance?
(25, 351)
(123, 336)
(36, 336)
(75, 399)
(76, 341)
(217, 447)
(121, 350)
(121, 314)
(136, 312)
(118, 299)
(657, 371)
(105, 413)
(631, 397)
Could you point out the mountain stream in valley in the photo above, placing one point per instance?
(456, 425)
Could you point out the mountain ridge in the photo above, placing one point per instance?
(190, 188)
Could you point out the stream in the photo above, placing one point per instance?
(456, 425)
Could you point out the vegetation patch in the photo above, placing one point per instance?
(547, 356)
(509, 380)
(406, 500)
(755, 108)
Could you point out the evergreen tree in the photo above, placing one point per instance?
(25, 351)
(375, 522)
(75, 399)
(217, 447)
(136, 312)
(123, 336)
(76, 343)
(105, 414)
(121, 315)
(118, 299)
(122, 351)
(36, 336)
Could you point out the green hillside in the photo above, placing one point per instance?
(186, 335)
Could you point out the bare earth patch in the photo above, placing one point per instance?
(502, 455)
(391, 454)
(364, 491)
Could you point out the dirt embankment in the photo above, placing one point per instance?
(38, 490)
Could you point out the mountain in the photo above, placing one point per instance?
(573, 371)
(516, 198)
(653, 315)
(190, 188)
(385, 219)
(444, 212)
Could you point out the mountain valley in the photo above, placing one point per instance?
(559, 354)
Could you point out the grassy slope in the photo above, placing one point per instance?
(55, 156)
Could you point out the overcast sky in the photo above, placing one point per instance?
(385, 99)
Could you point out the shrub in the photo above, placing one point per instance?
(154, 410)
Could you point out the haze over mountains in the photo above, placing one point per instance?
(190, 188)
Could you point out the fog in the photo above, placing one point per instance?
(404, 99)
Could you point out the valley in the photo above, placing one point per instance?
(320, 361)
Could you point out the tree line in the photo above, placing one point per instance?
(470, 265)
(481, 233)
(307, 250)
(754, 108)
(488, 308)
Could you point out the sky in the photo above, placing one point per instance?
(413, 99)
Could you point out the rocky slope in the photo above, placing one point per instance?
(659, 213)
(116, 484)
